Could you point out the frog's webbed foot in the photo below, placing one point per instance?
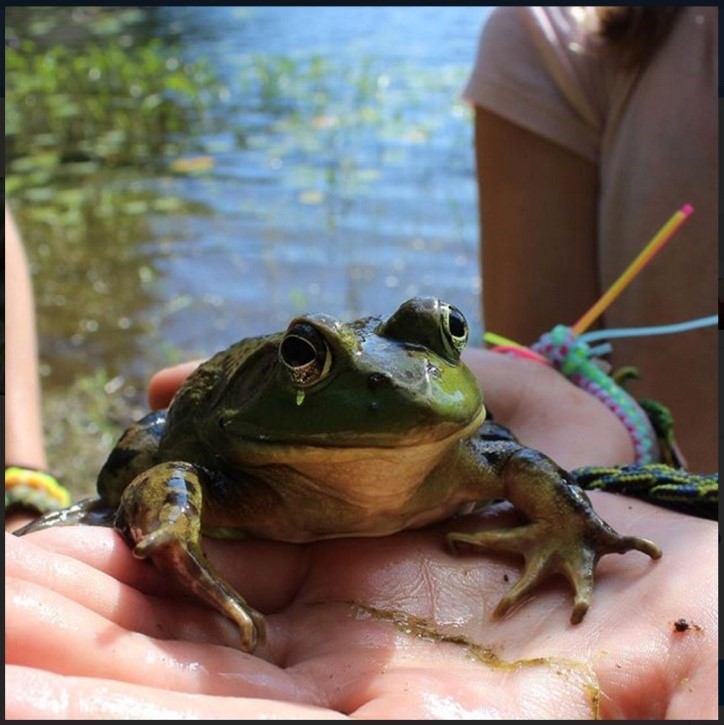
(160, 516)
(89, 511)
(565, 535)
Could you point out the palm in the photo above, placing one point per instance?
(389, 628)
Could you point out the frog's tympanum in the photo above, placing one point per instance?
(333, 429)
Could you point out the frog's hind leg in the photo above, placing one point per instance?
(160, 516)
(89, 511)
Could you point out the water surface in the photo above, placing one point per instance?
(339, 177)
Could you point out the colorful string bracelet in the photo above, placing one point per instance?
(566, 349)
(29, 488)
(574, 359)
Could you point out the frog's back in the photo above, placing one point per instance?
(209, 385)
(169, 433)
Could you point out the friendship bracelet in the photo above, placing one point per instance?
(33, 489)
(648, 423)
(573, 358)
(658, 483)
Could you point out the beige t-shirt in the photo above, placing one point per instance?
(653, 135)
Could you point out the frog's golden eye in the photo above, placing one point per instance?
(305, 354)
(454, 329)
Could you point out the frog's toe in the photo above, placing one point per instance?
(517, 540)
(524, 540)
(191, 568)
(580, 575)
(89, 512)
(536, 571)
(577, 566)
(580, 607)
(621, 544)
(149, 543)
(550, 550)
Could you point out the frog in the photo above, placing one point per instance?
(330, 430)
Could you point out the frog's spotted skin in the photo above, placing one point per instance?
(332, 430)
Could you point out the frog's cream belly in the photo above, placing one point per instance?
(342, 492)
(328, 520)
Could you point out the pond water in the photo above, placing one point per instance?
(339, 177)
(353, 186)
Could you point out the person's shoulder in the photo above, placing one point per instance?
(560, 26)
(559, 42)
(504, 17)
(505, 29)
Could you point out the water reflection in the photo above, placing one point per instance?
(351, 152)
(334, 172)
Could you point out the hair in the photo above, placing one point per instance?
(635, 33)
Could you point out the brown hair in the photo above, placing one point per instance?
(635, 33)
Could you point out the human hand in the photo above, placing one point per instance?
(385, 628)
(17, 519)
(547, 412)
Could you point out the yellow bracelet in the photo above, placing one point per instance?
(38, 490)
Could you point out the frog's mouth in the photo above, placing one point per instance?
(262, 449)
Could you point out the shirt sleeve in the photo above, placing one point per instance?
(534, 69)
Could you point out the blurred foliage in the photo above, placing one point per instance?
(95, 106)
(87, 419)
(105, 104)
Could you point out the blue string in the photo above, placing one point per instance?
(645, 331)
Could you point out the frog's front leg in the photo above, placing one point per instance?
(160, 516)
(563, 533)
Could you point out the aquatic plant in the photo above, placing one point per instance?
(102, 105)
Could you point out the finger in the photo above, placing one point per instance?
(166, 382)
(55, 556)
(268, 574)
(169, 615)
(96, 569)
(39, 695)
(370, 671)
(49, 631)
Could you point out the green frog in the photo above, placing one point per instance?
(333, 429)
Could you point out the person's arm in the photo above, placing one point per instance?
(23, 423)
(24, 444)
(537, 204)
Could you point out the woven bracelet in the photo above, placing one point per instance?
(573, 358)
(28, 488)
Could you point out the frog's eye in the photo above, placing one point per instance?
(454, 329)
(305, 354)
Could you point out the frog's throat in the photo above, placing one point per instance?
(267, 452)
